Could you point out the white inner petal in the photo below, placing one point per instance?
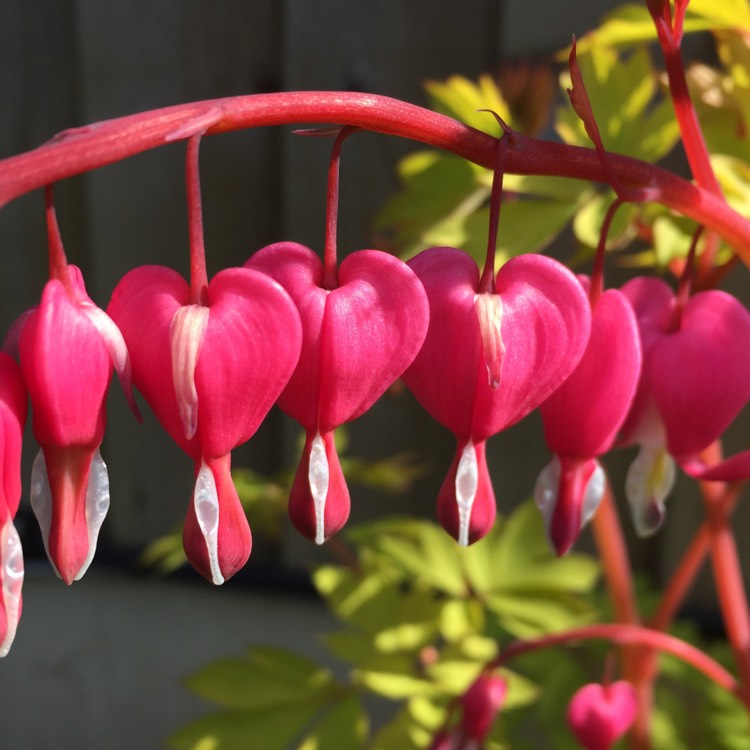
(489, 308)
(467, 481)
(593, 494)
(41, 502)
(186, 333)
(546, 489)
(11, 563)
(647, 484)
(318, 478)
(206, 504)
(97, 505)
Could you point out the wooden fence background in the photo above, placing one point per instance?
(69, 62)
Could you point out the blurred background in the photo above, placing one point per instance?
(99, 665)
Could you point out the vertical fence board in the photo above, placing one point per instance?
(387, 48)
(135, 55)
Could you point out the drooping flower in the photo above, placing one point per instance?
(359, 334)
(582, 417)
(67, 350)
(210, 358)
(363, 322)
(695, 380)
(481, 704)
(12, 418)
(490, 358)
(210, 371)
(599, 715)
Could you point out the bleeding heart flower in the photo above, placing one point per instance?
(358, 337)
(481, 704)
(695, 380)
(488, 360)
(12, 418)
(67, 349)
(582, 417)
(599, 715)
(210, 372)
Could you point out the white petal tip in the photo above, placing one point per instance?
(467, 481)
(318, 477)
(206, 506)
(11, 564)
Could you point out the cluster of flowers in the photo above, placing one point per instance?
(632, 365)
(324, 341)
(598, 714)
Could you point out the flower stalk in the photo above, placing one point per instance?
(80, 150)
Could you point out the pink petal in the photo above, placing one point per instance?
(568, 492)
(250, 347)
(143, 305)
(481, 704)
(67, 370)
(600, 714)
(250, 350)
(216, 535)
(358, 338)
(12, 418)
(466, 503)
(70, 498)
(696, 366)
(732, 469)
(544, 331)
(319, 499)
(118, 351)
(700, 374)
(582, 417)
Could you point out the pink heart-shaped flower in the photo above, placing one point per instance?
(248, 349)
(543, 326)
(696, 362)
(357, 340)
(582, 417)
(210, 372)
(599, 715)
(68, 349)
(695, 380)
(490, 359)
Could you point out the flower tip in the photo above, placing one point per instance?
(648, 482)
(481, 704)
(598, 715)
(216, 536)
(11, 577)
(466, 503)
(70, 499)
(319, 501)
(567, 493)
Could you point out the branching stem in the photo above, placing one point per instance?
(77, 151)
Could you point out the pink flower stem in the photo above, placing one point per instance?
(597, 273)
(80, 150)
(683, 577)
(613, 553)
(487, 281)
(198, 273)
(630, 635)
(669, 34)
(730, 586)
(615, 560)
(330, 262)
